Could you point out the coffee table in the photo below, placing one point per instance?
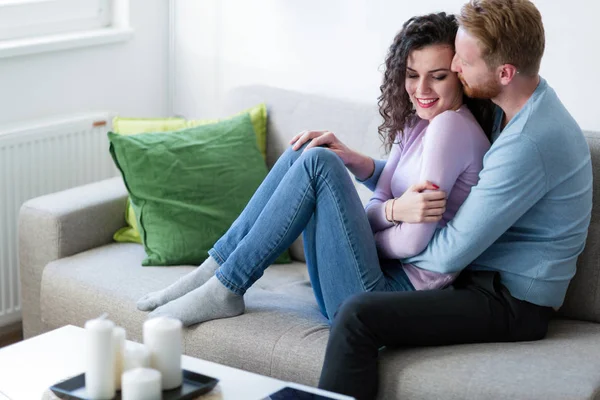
(29, 367)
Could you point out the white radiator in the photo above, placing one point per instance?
(40, 158)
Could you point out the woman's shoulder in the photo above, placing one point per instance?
(456, 121)
(413, 128)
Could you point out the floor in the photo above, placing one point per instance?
(11, 334)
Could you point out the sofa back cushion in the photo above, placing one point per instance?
(291, 112)
(583, 296)
(356, 125)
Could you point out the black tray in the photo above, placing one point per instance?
(194, 385)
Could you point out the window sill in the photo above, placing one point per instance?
(21, 47)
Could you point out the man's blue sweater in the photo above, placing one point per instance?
(528, 216)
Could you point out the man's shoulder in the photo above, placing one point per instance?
(543, 132)
(545, 120)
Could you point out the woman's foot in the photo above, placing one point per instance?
(183, 285)
(210, 301)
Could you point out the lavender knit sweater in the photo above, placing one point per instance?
(447, 151)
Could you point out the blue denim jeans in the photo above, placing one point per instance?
(311, 193)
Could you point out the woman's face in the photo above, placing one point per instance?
(433, 88)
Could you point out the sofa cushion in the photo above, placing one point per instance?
(281, 313)
(565, 365)
(283, 335)
(583, 296)
(289, 113)
(105, 279)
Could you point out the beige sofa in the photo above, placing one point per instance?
(72, 271)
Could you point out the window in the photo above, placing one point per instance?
(31, 26)
(30, 18)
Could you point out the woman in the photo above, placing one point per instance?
(433, 135)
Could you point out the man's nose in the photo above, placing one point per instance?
(455, 65)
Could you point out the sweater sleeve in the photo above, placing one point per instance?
(513, 179)
(375, 208)
(448, 150)
(371, 182)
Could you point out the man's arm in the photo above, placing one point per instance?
(512, 181)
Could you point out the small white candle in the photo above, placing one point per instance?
(119, 335)
(100, 359)
(141, 384)
(163, 337)
(136, 356)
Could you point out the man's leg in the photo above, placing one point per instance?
(475, 309)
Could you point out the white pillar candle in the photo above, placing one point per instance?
(136, 356)
(119, 345)
(141, 384)
(100, 359)
(163, 337)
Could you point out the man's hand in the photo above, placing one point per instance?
(416, 206)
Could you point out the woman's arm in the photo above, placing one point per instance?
(413, 206)
(446, 154)
(361, 166)
(375, 208)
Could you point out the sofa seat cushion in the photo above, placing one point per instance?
(282, 333)
(565, 365)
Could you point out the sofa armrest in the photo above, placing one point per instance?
(60, 225)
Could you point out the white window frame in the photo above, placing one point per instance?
(36, 26)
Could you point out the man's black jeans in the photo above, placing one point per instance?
(476, 308)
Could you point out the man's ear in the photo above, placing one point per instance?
(506, 73)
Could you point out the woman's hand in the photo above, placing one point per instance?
(360, 165)
(326, 139)
(417, 206)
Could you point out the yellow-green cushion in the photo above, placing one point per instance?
(133, 126)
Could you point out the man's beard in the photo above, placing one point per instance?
(487, 90)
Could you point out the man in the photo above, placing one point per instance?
(517, 236)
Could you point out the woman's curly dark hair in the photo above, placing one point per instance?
(394, 103)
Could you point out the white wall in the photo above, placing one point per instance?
(129, 78)
(336, 47)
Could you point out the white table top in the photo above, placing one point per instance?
(28, 368)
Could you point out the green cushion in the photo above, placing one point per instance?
(187, 187)
(132, 126)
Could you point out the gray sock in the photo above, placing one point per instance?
(210, 301)
(183, 285)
